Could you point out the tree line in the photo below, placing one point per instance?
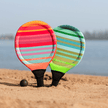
(101, 35)
(7, 37)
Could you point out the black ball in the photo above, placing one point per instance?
(23, 83)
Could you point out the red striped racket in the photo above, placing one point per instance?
(35, 46)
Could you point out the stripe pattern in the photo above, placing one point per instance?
(70, 47)
(35, 44)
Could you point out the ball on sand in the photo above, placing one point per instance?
(23, 83)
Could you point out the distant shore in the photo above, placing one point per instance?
(96, 35)
(12, 38)
(73, 91)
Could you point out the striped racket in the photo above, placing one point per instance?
(35, 46)
(70, 50)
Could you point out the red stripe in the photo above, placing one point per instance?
(34, 37)
(36, 44)
(34, 33)
(30, 42)
(34, 27)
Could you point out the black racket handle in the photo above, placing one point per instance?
(56, 76)
(39, 74)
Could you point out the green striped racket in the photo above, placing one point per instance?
(70, 50)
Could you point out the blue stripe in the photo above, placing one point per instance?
(67, 53)
(76, 43)
(69, 49)
(36, 56)
(67, 57)
(36, 47)
(70, 32)
(59, 43)
(35, 51)
(66, 31)
(70, 37)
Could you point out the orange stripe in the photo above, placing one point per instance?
(34, 30)
(34, 23)
(37, 66)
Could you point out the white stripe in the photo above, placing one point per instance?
(69, 37)
(65, 30)
(68, 48)
(21, 57)
(69, 31)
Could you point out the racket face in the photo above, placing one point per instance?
(35, 44)
(70, 48)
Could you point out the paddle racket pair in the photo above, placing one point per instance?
(37, 46)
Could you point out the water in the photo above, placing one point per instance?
(94, 62)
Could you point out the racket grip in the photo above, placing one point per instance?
(56, 76)
(39, 74)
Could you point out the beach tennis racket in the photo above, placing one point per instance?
(70, 50)
(35, 46)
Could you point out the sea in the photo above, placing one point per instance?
(94, 61)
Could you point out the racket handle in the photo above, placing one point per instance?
(39, 74)
(56, 76)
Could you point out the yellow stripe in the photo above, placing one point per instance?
(69, 43)
(34, 30)
(65, 60)
(69, 39)
(69, 51)
(68, 55)
(67, 63)
(62, 64)
(23, 60)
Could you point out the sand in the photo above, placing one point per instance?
(73, 91)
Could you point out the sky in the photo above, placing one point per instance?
(86, 15)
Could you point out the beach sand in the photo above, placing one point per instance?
(73, 91)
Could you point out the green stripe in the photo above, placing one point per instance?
(68, 33)
(67, 39)
(65, 30)
(64, 62)
(70, 39)
(58, 68)
(71, 52)
(69, 43)
(68, 27)
(65, 59)
(67, 55)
